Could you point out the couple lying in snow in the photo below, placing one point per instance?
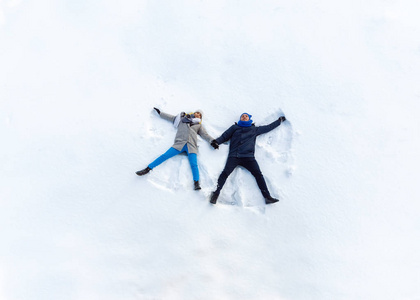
(242, 136)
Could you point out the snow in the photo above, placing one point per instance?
(78, 83)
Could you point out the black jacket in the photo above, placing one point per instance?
(242, 139)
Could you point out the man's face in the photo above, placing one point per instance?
(244, 117)
(197, 115)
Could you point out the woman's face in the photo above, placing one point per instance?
(244, 117)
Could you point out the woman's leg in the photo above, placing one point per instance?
(192, 157)
(168, 154)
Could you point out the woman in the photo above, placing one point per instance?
(242, 136)
(188, 126)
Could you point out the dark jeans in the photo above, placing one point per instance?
(249, 163)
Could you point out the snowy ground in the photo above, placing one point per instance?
(78, 83)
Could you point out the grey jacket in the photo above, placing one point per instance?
(187, 134)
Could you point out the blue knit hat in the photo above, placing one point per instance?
(245, 123)
(250, 116)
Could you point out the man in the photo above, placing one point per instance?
(242, 136)
(188, 126)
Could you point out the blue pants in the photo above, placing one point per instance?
(192, 157)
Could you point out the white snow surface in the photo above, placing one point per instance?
(78, 83)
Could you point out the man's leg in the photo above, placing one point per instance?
(231, 164)
(252, 166)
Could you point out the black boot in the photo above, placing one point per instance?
(144, 171)
(197, 185)
(270, 200)
(213, 197)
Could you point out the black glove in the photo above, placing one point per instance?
(282, 118)
(214, 144)
(157, 109)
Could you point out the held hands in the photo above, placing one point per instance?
(157, 110)
(282, 119)
(214, 144)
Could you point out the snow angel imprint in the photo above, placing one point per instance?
(188, 126)
(242, 136)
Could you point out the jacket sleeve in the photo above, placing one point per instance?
(226, 135)
(203, 133)
(167, 117)
(267, 128)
